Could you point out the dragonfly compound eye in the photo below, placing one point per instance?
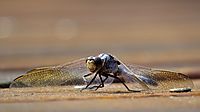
(91, 65)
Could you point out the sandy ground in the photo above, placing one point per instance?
(111, 98)
(152, 104)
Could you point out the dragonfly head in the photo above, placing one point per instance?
(93, 63)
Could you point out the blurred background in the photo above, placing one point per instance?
(158, 33)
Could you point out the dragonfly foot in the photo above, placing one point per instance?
(92, 88)
(95, 87)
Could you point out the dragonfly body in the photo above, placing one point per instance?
(109, 66)
(95, 71)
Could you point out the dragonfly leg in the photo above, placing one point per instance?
(123, 83)
(89, 82)
(84, 77)
(102, 83)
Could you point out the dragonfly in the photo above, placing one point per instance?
(94, 72)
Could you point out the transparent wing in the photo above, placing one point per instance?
(67, 74)
(146, 78)
(156, 79)
(161, 79)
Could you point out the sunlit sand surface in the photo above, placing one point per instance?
(114, 91)
(111, 98)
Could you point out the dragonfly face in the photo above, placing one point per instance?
(93, 63)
